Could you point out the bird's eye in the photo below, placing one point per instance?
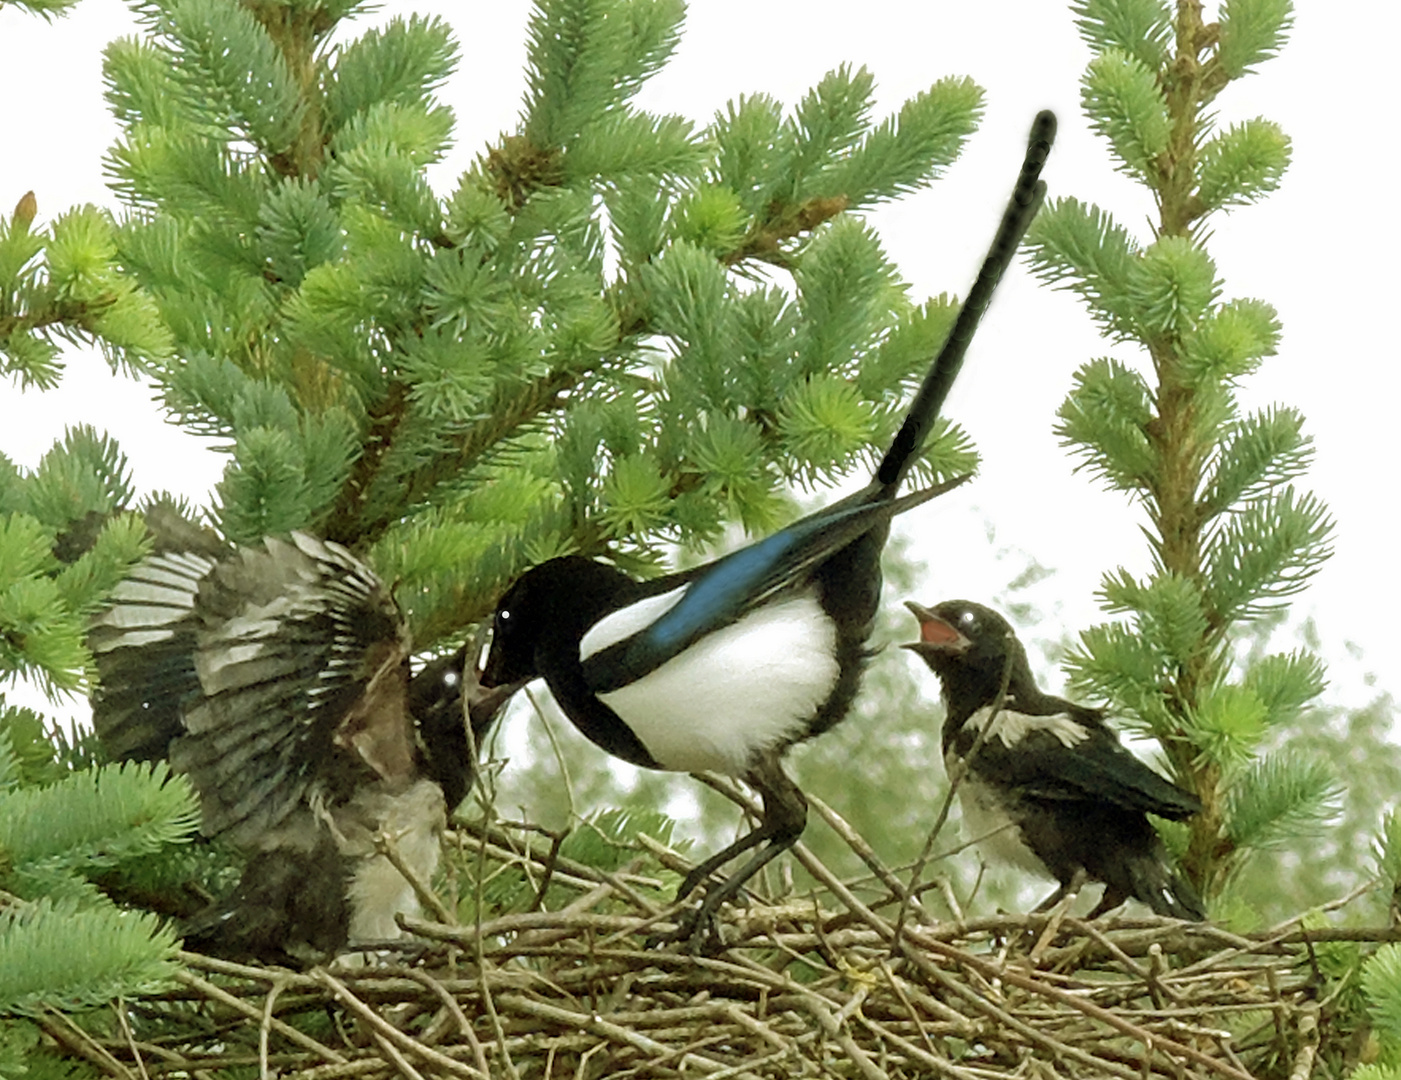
(503, 616)
(967, 618)
(451, 678)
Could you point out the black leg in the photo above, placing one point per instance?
(784, 818)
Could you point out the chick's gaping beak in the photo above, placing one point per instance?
(935, 633)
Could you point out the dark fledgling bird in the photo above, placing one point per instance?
(726, 665)
(277, 677)
(1049, 787)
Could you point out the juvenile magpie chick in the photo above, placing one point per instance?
(277, 678)
(1050, 787)
(726, 665)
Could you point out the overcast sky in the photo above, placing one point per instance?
(1318, 250)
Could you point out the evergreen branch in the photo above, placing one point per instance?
(1251, 32)
(1258, 453)
(506, 415)
(96, 818)
(1140, 28)
(1083, 249)
(1281, 797)
(58, 956)
(1266, 553)
(45, 9)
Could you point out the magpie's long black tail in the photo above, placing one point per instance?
(1021, 209)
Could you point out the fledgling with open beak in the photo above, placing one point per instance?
(1050, 788)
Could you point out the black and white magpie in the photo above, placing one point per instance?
(277, 678)
(726, 665)
(1049, 788)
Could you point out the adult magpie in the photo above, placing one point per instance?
(726, 665)
(277, 677)
(1049, 788)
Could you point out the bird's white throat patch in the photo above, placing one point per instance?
(751, 686)
(1011, 727)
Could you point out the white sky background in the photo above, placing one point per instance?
(1317, 250)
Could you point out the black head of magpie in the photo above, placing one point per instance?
(724, 666)
(1049, 788)
(277, 677)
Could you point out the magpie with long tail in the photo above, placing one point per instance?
(1047, 786)
(277, 677)
(724, 666)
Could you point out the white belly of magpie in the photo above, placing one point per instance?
(749, 687)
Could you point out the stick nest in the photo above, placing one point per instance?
(799, 989)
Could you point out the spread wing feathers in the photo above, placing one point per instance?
(744, 580)
(302, 660)
(144, 646)
(275, 673)
(1098, 769)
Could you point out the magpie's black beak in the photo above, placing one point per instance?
(483, 702)
(489, 689)
(936, 635)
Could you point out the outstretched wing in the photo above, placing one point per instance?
(144, 645)
(274, 677)
(303, 669)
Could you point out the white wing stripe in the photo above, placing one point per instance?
(1012, 727)
(627, 621)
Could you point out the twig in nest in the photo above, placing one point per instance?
(956, 777)
(265, 1028)
(378, 1024)
(119, 1009)
(464, 1026)
(63, 1031)
(306, 1042)
(387, 845)
(1057, 915)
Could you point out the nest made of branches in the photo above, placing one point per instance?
(847, 988)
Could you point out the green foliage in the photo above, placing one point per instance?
(1231, 537)
(63, 945)
(1141, 29)
(62, 281)
(57, 955)
(1122, 97)
(1242, 164)
(1252, 31)
(369, 351)
(45, 8)
(63, 548)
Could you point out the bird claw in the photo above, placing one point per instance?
(697, 931)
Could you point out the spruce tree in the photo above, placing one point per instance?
(1231, 536)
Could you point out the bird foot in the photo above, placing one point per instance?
(697, 931)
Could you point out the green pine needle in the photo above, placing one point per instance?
(1080, 247)
(1105, 420)
(1266, 552)
(1172, 286)
(1243, 164)
(1140, 28)
(1280, 797)
(1126, 106)
(60, 956)
(1252, 31)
